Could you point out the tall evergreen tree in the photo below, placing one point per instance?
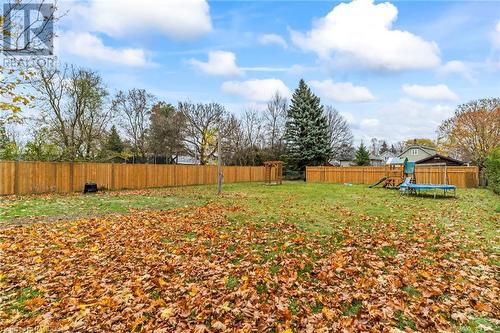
(114, 144)
(306, 131)
(362, 155)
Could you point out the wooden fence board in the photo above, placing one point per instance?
(22, 177)
(7, 176)
(461, 176)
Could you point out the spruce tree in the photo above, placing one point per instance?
(306, 131)
(114, 143)
(362, 155)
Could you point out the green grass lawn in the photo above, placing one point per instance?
(322, 208)
(290, 258)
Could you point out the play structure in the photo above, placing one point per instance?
(401, 174)
(409, 185)
(393, 177)
(273, 172)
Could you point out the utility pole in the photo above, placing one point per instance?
(219, 164)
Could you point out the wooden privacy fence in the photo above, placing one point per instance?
(465, 177)
(18, 177)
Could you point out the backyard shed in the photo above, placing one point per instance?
(438, 158)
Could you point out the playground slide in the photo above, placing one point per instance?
(377, 183)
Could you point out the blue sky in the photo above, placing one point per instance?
(395, 70)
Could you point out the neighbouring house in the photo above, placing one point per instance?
(346, 163)
(376, 160)
(386, 155)
(438, 158)
(183, 159)
(342, 163)
(417, 152)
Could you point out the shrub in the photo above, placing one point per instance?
(492, 166)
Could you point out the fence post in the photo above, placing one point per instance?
(477, 176)
(56, 166)
(175, 174)
(112, 176)
(71, 175)
(16, 177)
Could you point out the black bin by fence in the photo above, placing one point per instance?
(90, 188)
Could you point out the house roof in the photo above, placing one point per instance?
(388, 153)
(394, 160)
(375, 157)
(427, 149)
(439, 156)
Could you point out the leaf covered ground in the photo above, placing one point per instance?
(255, 263)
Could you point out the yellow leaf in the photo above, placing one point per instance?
(43, 329)
(226, 307)
(94, 248)
(288, 330)
(166, 313)
(193, 291)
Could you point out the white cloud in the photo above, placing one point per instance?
(342, 91)
(266, 69)
(177, 19)
(291, 70)
(496, 34)
(370, 123)
(404, 119)
(273, 39)
(90, 47)
(256, 90)
(439, 92)
(219, 63)
(363, 30)
(457, 67)
(349, 117)
(443, 111)
(298, 69)
(223, 63)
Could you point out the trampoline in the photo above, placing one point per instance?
(410, 188)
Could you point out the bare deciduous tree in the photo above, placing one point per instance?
(134, 107)
(274, 121)
(203, 121)
(73, 101)
(165, 138)
(247, 141)
(252, 128)
(340, 134)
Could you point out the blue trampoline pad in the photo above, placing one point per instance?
(429, 186)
